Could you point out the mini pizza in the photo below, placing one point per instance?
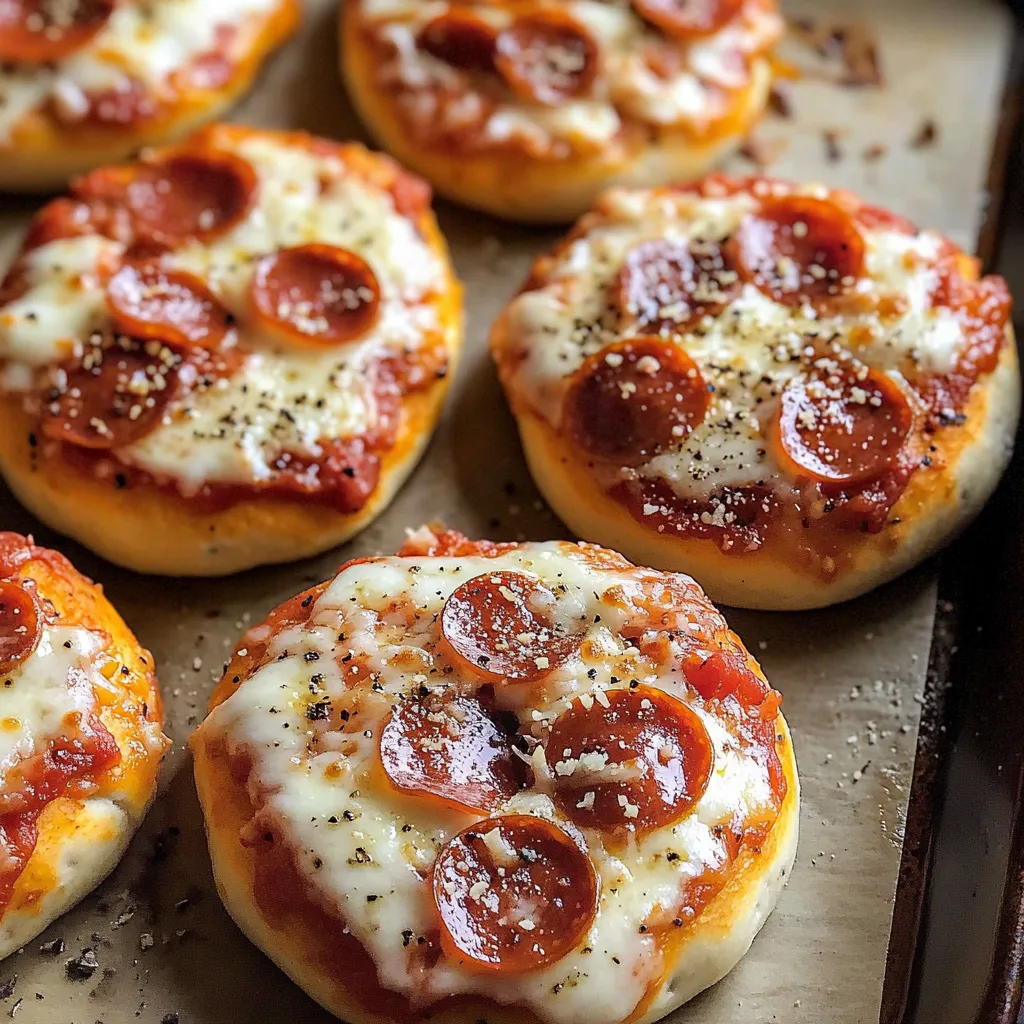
(80, 738)
(502, 782)
(788, 393)
(89, 82)
(527, 109)
(230, 353)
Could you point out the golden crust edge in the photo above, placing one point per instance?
(525, 189)
(730, 923)
(97, 854)
(52, 156)
(932, 510)
(253, 532)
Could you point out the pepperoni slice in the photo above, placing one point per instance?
(547, 57)
(513, 894)
(186, 195)
(688, 18)
(461, 39)
(36, 31)
(20, 625)
(149, 301)
(634, 399)
(450, 748)
(843, 426)
(115, 395)
(316, 293)
(798, 249)
(641, 761)
(66, 766)
(669, 286)
(68, 763)
(500, 624)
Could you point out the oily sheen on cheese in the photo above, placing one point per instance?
(61, 678)
(142, 42)
(281, 399)
(365, 848)
(37, 695)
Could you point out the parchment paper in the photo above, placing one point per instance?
(852, 676)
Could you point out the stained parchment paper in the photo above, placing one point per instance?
(852, 676)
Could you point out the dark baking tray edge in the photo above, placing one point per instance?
(974, 691)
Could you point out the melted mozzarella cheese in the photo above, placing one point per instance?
(37, 696)
(62, 305)
(626, 84)
(143, 41)
(747, 353)
(358, 840)
(286, 397)
(237, 428)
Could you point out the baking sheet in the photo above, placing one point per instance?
(852, 676)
